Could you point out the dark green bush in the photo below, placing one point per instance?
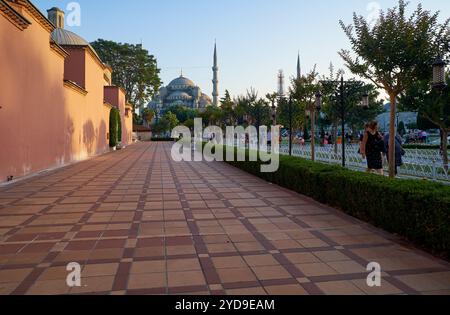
(416, 210)
(164, 139)
(115, 127)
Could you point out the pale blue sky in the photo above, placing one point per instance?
(255, 38)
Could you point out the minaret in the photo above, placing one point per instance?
(299, 68)
(215, 81)
(281, 83)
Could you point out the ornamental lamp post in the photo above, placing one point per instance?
(439, 84)
(318, 107)
(274, 114)
(439, 74)
(365, 101)
(290, 124)
(318, 101)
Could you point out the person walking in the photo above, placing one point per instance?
(399, 151)
(372, 148)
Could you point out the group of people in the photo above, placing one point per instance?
(374, 145)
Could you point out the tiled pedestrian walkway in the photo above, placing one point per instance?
(139, 223)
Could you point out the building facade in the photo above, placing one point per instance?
(56, 94)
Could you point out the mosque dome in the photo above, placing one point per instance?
(179, 95)
(205, 100)
(181, 83)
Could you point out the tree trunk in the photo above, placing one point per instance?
(392, 134)
(445, 148)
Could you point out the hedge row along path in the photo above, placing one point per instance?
(139, 223)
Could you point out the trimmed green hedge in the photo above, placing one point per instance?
(115, 127)
(416, 210)
(155, 139)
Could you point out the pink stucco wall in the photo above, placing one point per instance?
(45, 123)
(74, 69)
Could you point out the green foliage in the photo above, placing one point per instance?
(433, 107)
(172, 120)
(212, 115)
(134, 69)
(166, 123)
(396, 51)
(115, 127)
(227, 106)
(148, 115)
(303, 93)
(183, 113)
(416, 210)
(162, 139)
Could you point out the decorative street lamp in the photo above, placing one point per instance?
(312, 114)
(274, 114)
(290, 103)
(439, 74)
(318, 101)
(365, 101)
(439, 84)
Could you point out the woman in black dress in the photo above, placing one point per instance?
(372, 148)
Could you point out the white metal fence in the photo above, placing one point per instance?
(418, 163)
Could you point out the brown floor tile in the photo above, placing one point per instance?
(236, 275)
(271, 273)
(147, 281)
(290, 289)
(183, 264)
(14, 275)
(94, 284)
(261, 260)
(186, 278)
(247, 291)
(49, 287)
(143, 267)
(98, 270)
(301, 258)
(339, 288)
(316, 269)
(229, 262)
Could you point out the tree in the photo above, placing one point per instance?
(183, 113)
(166, 124)
(133, 69)
(227, 106)
(148, 115)
(212, 115)
(395, 53)
(115, 128)
(433, 106)
(171, 119)
(302, 92)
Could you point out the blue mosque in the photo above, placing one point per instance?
(184, 92)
